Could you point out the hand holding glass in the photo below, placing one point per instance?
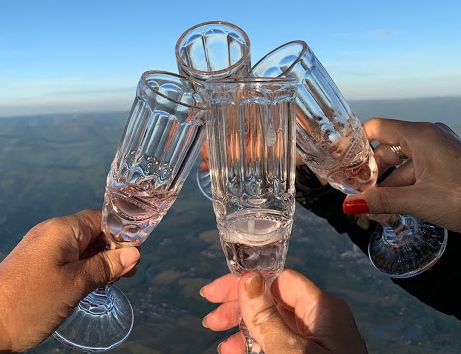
(251, 137)
(332, 142)
(162, 138)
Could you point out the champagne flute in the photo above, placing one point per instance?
(163, 135)
(332, 142)
(214, 49)
(251, 136)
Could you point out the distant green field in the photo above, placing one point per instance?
(57, 165)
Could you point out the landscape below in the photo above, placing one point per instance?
(57, 164)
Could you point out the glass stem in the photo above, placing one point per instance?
(397, 228)
(252, 347)
(101, 300)
(98, 302)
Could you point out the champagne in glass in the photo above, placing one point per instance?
(251, 137)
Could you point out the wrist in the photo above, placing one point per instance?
(6, 342)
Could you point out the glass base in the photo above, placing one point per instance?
(204, 183)
(412, 254)
(101, 322)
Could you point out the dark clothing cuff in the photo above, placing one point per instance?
(438, 287)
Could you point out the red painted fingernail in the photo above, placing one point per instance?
(356, 206)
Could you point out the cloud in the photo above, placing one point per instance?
(383, 33)
(62, 87)
(63, 95)
(93, 103)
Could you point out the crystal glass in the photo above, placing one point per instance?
(163, 135)
(215, 49)
(332, 142)
(252, 141)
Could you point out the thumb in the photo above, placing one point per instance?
(106, 266)
(263, 321)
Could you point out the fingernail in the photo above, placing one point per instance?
(129, 256)
(204, 321)
(219, 347)
(355, 206)
(254, 286)
(201, 292)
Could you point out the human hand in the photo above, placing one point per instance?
(204, 165)
(55, 265)
(293, 316)
(427, 185)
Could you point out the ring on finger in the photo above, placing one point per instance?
(398, 151)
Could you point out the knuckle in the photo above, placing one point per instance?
(383, 203)
(265, 316)
(108, 267)
(99, 270)
(430, 130)
(51, 229)
(52, 224)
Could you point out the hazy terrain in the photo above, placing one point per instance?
(56, 165)
(440, 109)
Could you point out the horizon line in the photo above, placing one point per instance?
(93, 110)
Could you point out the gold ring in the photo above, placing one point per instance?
(398, 151)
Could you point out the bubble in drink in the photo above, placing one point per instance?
(351, 179)
(128, 218)
(354, 169)
(256, 241)
(268, 259)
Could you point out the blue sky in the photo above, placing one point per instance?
(70, 56)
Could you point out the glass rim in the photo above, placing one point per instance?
(304, 49)
(246, 52)
(250, 80)
(144, 78)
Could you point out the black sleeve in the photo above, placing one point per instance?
(438, 287)
(327, 202)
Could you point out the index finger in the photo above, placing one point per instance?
(222, 289)
(302, 290)
(88, 226)
(412, 135)
(390, 131)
